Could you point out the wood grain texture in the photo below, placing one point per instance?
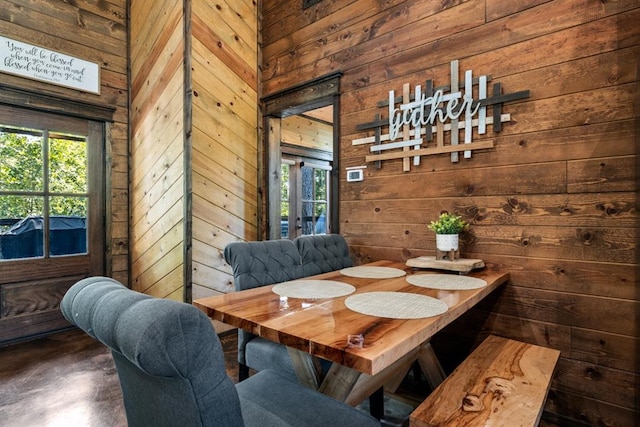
(308, 133)
(224, 166)
(194, 146)
(554, 202)
(157, 148)
(503, 382)
(321, 327)
(461, 265)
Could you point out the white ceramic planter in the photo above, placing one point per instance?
(447, 242)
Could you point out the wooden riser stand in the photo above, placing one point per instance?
(448, 255)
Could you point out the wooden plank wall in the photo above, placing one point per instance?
(555, 202)
(307, 132)
(95, 31)
(157, 196)
(224, 63)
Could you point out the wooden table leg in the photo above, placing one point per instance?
(307, 367)
(351, 386)
(367, 384)
(430, 365)
(339, 382)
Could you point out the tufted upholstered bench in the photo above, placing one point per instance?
(259, 264)
(323, 253)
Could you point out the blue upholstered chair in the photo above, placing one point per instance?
(259, 264)
(171, 366)
(323, 253)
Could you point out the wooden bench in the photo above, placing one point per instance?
(502, 382)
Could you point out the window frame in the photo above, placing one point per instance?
(46, 191)
(28, 108)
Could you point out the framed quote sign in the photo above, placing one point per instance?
(37, 63)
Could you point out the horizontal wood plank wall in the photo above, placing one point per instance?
(95, 31)
(225, 101)
(555, 202)
(157, 148)
(307, 132)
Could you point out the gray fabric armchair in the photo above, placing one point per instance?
(259, 264)
(171, 367)
(323, 253)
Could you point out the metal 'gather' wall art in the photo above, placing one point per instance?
(437, 120)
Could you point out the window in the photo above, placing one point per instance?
(314, 187)
(43, 193)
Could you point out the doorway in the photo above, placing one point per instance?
(52, 208)
(305, 196)
(302, 153)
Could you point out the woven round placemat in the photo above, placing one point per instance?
(396, 305)
(448, 282)
(372, 272)
(313, 289)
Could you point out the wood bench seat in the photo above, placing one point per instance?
(503, 382)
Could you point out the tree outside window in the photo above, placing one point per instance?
(43, 185)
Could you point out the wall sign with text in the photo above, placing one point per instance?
(434, 120)
(37, 63)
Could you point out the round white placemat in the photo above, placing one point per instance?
(372, 272)
(396, 305)
(313, 289)
(448, 282)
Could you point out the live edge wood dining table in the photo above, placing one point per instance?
(368, 351)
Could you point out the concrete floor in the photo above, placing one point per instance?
(69, 379)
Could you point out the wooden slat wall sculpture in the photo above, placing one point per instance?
(434, 108)
(554, 201)
(97, 32)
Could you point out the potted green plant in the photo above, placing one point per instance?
(447, 229)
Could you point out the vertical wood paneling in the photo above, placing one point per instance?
(225, 115)
(157, 148)
(555, 202)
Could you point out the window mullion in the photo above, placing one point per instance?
(47, 196)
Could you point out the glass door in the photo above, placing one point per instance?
(52, 230)
(304, 197)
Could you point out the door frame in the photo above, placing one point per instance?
(22, 275)
(318, 93)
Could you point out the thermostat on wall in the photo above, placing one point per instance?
(355, 173)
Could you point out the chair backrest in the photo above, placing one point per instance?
(323, 253)
(259, 264)
(168, 357)
(263, 263)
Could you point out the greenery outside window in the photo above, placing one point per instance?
(304, 197)
(43, 193)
